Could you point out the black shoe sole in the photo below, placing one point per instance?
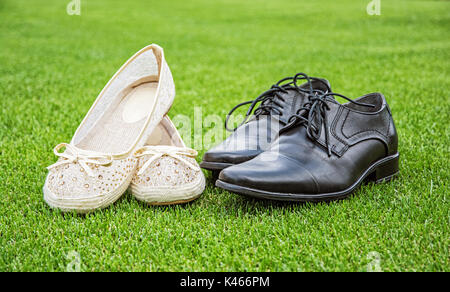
(213, 166)
(383, 170)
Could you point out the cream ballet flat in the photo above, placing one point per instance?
(97, 166)
(167, 172)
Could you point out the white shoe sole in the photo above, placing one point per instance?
(83, 205)
(169, 195)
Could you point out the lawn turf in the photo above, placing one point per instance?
(52, 66)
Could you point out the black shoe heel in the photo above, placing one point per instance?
(214, 176)
(385, 171)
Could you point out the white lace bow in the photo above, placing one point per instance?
(160, 151)
(80, 156)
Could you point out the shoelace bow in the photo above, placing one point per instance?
(272, 99)
(83, 157)
(160, 151)
(313, 114)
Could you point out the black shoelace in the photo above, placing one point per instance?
(313, 114)
(272, 99)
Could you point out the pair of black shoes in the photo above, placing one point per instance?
(301, 144)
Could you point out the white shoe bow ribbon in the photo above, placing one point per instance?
(160, 151)
(80, 156)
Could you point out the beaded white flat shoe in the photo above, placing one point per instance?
(167, 172)
(96, 168)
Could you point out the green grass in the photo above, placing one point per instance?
(53, 65)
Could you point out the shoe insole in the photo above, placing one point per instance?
(120, 125)
(165, 134)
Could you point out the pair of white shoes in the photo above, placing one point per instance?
(127, 139)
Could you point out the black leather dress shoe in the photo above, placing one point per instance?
(255, 133)
(325, 152)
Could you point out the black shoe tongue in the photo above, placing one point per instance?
(293, 100)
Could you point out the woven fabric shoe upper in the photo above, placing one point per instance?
(255, 135)
(166, 166)
(167, 171)
(68, 179)
(97, 166)
(325, 148)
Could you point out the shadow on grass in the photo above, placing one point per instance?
(218, 200)
(241, 203)
(236, 203)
